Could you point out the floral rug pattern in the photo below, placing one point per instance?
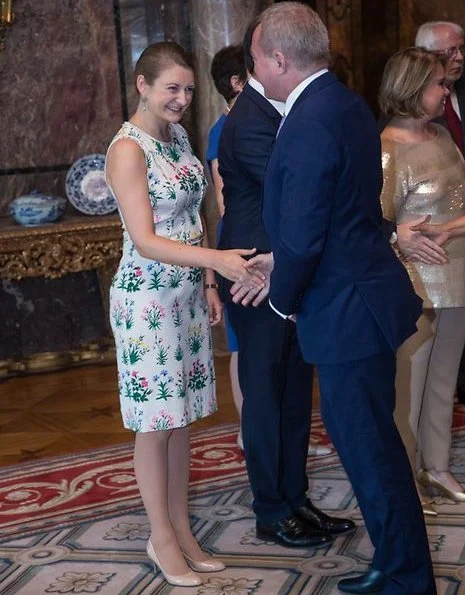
(75, 524)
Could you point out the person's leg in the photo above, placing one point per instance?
(178, 490)
(436, 416)
(261, 336)
(357, 402)
(296, 412)
(236, 392)
(413, 357)
(235, 386)
(178, 487)
(234, 373)
(151, 469)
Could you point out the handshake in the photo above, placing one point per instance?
(245, 294)
(417, 241)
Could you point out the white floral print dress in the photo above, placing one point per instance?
(158, 312)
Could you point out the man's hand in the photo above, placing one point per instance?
(244, 295)
(416, 247)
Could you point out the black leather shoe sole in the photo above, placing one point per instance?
(366, 584)
(266, 533)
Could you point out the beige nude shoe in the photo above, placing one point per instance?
(189, 579)
(210, 565)
(428, 481)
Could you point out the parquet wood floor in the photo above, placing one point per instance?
(74, 410)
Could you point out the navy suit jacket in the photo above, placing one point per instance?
(245, 145)
(334, 267)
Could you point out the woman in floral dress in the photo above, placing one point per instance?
(163, 300)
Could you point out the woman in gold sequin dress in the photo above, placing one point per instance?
(424, 174)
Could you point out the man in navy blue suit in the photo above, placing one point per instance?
(337, 276)
(275, 381)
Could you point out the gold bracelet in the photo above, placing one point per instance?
(211, 285)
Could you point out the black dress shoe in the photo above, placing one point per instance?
(292, 532)
(316, 519)
(371, 582)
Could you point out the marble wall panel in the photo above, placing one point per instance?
(59, 90)
(134, 39)
(214, 24)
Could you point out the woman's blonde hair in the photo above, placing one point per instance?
(405, 78)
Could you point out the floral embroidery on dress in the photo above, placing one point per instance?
(158, 311)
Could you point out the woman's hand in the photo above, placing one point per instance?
(231, 265)
(438, 232)
(415, 246)
(215, 306)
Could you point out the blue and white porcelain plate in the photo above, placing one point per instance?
(86, 187)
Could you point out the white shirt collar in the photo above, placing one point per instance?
(278, 105)
(455, 102)
(293, 95)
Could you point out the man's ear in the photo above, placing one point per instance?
(236, 83)
(281, 62)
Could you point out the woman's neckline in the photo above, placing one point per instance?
(157, 140)
(399, 141)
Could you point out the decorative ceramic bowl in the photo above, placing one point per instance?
(86, 187)
(37, 209)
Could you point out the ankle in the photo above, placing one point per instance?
(190, 547)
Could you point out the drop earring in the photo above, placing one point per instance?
(144, 104)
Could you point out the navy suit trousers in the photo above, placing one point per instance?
(357, 404)
(277, 387)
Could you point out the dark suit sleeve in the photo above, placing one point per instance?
(389, 227)
(307, 158)
(253, 143)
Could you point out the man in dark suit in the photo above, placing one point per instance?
(337, 276)
(447, 40)
(275, 381)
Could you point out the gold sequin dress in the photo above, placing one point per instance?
(428, 178)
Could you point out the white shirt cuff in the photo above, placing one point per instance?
(285, 316)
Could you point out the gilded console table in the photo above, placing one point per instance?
(77, 243)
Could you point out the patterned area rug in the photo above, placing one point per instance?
(75, 524)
